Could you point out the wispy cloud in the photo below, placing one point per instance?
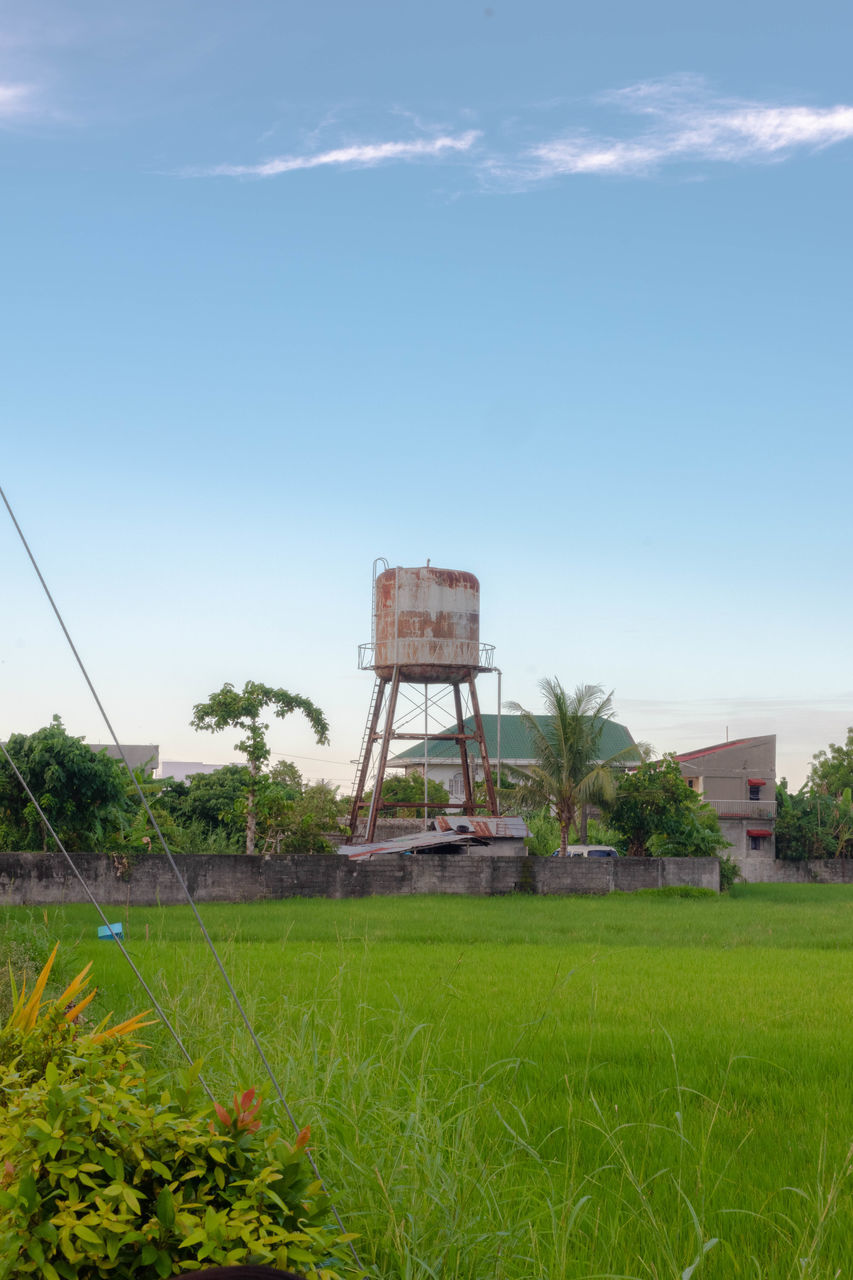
(686, 122)
(16, 100)
(675, 120)
(358, 155)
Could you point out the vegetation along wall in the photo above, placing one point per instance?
(43, 878)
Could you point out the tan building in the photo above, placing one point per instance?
(738, 780)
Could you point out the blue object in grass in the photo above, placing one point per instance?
(109, 931)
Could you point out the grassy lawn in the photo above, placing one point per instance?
(534, 1087)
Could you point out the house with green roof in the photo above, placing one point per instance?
(516, 749)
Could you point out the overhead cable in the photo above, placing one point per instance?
(156, 826)
(61, 847)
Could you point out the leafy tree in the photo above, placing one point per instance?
(569, 774)
(82, 794)
(174, 795)
(505, 790)
(204, 810)
(810, 824)
(229, 708)
(286, 774)
(299, 823)
(817, 820)
(544, 835)
(136, 830)
(648, 802)
(832, 770)
(844, 824)
(408, 789)
(657, 813)
(213, 799)
(695, 833)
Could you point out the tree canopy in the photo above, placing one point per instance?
(408, 789)
(81, 792)
(832, 770)
(811, 824)
(94, 805)
(229, 708)
(656, 812)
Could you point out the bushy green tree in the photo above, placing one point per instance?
(832, 770)
(213, 798)
(544, 838)
(210, 811)
(82, 793)
(229, 708)
(505, 787)
(656, 812)
(137, 831)
(408, 789)
(811, 824)
(286, 775)
(292, 821)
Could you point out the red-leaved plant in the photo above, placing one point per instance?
(245, 1118)
(245, 1114)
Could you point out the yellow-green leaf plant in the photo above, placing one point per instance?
(102, 1174)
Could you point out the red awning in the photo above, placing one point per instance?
(756, 782)
(758, 831)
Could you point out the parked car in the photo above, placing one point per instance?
(588, 851)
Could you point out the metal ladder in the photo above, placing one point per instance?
(366, 744)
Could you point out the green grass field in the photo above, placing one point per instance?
(534, 1087)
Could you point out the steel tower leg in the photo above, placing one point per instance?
(463, 754)
(481, 739)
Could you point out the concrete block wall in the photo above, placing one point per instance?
(759, 868)
(41, 879)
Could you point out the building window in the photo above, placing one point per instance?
(755, 842)
(456, 786)
(755, 793)
(691, 782)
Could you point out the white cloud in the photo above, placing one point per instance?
(16, 100)
(678, 119)
(363, 155)
(687, 123)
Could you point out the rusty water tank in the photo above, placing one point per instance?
(427, 621)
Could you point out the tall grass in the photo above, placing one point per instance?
(620, 1087)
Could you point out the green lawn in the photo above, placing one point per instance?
(535, 1087)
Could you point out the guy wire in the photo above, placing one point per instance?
(174, 865)
(151, 996)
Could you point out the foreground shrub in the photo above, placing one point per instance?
(103, 1174)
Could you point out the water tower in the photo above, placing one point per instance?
(426, 637)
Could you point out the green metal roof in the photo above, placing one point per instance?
(515, 741)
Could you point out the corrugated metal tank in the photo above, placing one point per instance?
(427, 621)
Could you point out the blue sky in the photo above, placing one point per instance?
(555, 294)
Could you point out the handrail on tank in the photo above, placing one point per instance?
(365, 656)
(367, 653)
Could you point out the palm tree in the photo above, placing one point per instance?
(569, 773)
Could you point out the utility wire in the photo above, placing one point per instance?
(151, 996)
(174, 866)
